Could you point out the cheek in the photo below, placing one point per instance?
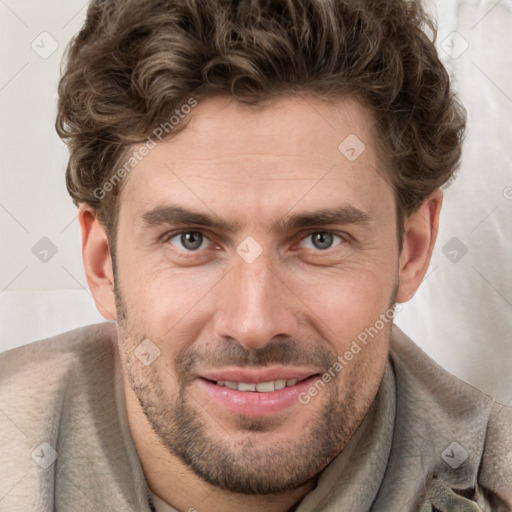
(349, 307)
(166, 304)
(350, 300)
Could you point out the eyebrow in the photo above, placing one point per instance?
(172, 215)
(178, 215)
(343, 216)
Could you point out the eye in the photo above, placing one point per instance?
(189, 240)
(321, 240)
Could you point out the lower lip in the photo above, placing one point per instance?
(255, 404)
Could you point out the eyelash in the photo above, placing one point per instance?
(312, 252)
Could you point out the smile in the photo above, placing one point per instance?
(261, 387)
(255, 394)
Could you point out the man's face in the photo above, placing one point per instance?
(251, 249)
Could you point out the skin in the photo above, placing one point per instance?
(295, 306)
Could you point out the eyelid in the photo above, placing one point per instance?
(334, 247)
(304, 234)
(171, 234)
(343, 235)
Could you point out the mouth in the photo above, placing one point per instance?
(260, 387)
(256, 394)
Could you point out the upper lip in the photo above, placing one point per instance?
(257, 375)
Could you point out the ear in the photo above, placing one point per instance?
(97, 262)
(419, 238)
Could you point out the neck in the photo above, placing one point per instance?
(171, 480)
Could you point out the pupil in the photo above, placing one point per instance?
(192, 240)
(322, 240)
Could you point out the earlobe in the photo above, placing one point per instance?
(419, 239)
(97, 262)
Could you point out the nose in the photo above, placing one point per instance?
(255, 305)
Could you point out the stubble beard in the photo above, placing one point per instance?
(251, 461)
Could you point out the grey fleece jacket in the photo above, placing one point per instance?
(429, 442)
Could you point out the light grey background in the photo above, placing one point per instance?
(462, 315)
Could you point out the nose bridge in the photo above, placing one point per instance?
(256, 307)
(255, 282)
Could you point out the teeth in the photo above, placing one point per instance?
(265, 387)
(279, 384)
(261, 387)
(242, 386)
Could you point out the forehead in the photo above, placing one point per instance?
(263, 156)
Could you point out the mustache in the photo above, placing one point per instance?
(277, 351)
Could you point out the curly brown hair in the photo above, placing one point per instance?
(136, 62)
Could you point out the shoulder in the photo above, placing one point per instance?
(62, 414)
(58, 352)
(496, 466)
(467, 434)
(420, 378)
(35, 376)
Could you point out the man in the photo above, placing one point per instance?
(258, 188)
